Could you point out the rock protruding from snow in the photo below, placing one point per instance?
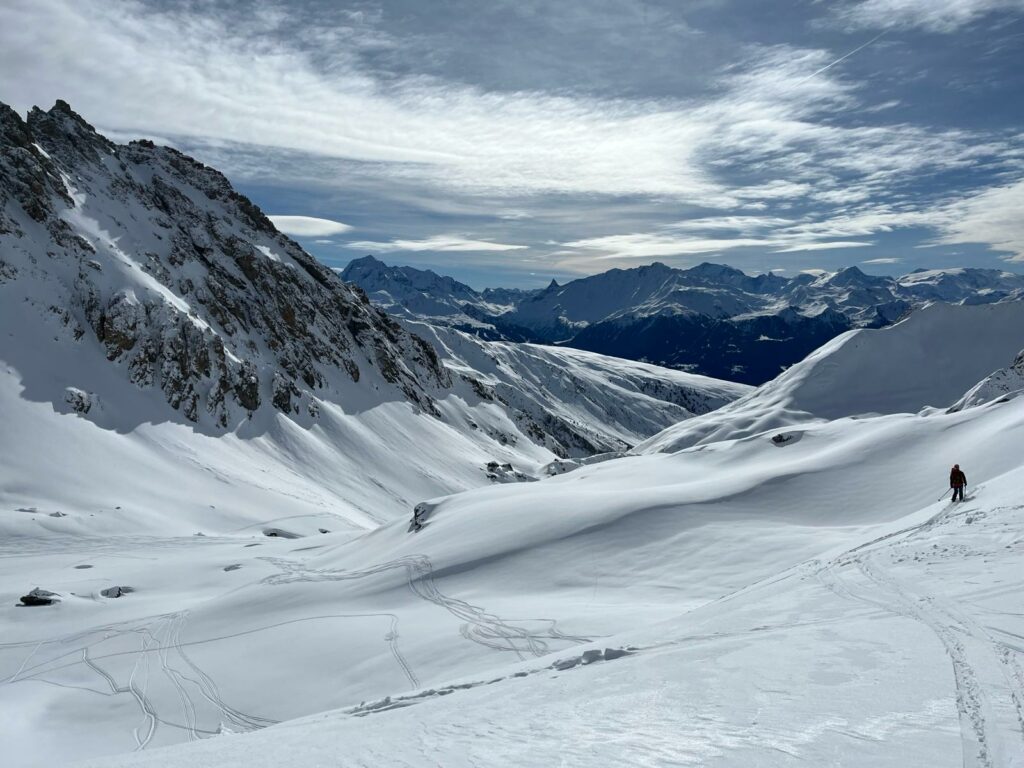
(1001, 385)
(40, 596)
(78, 400)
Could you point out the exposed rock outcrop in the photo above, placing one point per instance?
(183, 283)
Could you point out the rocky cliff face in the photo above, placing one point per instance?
(183, 283)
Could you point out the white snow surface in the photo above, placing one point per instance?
(608, 397)
(812, 604)
(927, 360)
(1004, 383)
(805, 604)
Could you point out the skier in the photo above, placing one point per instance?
(957, 481)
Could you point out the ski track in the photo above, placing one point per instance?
(976, 656)
(159, 636)
(478, 626)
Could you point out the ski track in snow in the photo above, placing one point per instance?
(479, 626)
(159, 636)
(988, 677)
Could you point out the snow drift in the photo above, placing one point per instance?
(927, 360)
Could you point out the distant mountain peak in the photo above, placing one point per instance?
(368, 261)
(711, 268)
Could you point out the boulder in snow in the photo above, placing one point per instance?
(40, 596)
(79, 400)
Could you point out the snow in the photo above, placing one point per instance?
(266, 251)
(1005, 383)
(806, 603)
(776, 608)
(927, 360)
(618, 400)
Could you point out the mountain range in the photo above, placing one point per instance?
(710, 319)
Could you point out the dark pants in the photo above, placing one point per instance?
(958, 491)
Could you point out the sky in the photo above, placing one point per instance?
(509, 142)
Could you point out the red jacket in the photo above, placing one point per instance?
(957, 478)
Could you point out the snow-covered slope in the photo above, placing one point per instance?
(581, 402)
(810, 603)
(929, 359)
(1004, 383)
(161, 338)
(154, 261)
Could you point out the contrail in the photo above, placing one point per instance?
(842, 58)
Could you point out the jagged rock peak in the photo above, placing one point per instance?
(183, 283)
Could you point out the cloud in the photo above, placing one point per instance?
(242, 81)
(435, 243)
(883, 260)
(943, 16)
(823, 246)
(308, 226)
(992, 217)
(782, 132)
(735, 223)
(654, 244)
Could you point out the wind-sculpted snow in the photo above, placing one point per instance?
(1002, 384)
(928, 360)
(743, 604)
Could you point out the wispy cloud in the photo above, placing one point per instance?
(780, 150)
(190, 75)
(655, 244)
(308, 226)
(732, 223)
(823, 246)
(942, 16)
(883, 260)
(436, 243)
(993, 217)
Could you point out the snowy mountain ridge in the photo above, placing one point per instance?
(928, 360)
(189, 290)
(154, 316)
(185, 284)
(712, 318)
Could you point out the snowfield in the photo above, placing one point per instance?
(736, 603)
(927, 360)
